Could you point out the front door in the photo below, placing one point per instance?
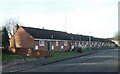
(48, 45)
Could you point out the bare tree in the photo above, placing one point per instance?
(11, 26)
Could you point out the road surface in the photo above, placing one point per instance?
(102, 61)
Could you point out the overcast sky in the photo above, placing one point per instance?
(98, 18)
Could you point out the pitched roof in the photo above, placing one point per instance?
(47, 34)
(79, 37)
(51, 34)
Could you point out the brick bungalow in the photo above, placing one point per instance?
(89, 41)
(27, 40)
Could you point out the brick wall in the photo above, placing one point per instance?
(60, 46)
(22, 39)
(41, 48)
(52, 45)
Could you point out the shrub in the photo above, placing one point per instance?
(78, 49)
(6, 51)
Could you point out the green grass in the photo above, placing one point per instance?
(11, 57)
(98, 48)
(53, 54)
(67, 53)
(60, 54)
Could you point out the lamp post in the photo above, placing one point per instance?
(79, 42)
(89, 41)
(71, 44)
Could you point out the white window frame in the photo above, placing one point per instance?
(82, 42)
(102, 43)
(62, 47)
(36, 47)
(72, 47)
(87, 43)
(79, 44)
(92, 43)
(65, 43)
(75, 43)
(96, 43)
(52, 47)
(41, 42)
(57, 43)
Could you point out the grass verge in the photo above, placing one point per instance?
(101, 48)
(11, 57)
(60, 54)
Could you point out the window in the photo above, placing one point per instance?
(75, 43)
(62, 47)
(96, 43)
(82, 42)
(102, 43)
(56, 43)
(87, 43)
(92, 43)
(72, 47)
(36, 47)
(52, 47)
(41, 43)
(65, 43)
(79, 44)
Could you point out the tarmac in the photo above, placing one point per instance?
(33, 63)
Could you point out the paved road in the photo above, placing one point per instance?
(103, 61)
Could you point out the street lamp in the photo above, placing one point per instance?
(79, 42)
(89, 41)
(72, 43)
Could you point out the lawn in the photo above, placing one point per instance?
(67, 53)
(64, 53)
(6, 56)
(11, 57)
(98, 48)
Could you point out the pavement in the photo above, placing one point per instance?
(42, 61)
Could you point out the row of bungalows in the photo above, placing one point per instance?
(89, 41)
(27, 40)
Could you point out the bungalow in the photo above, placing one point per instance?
(27, 40)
